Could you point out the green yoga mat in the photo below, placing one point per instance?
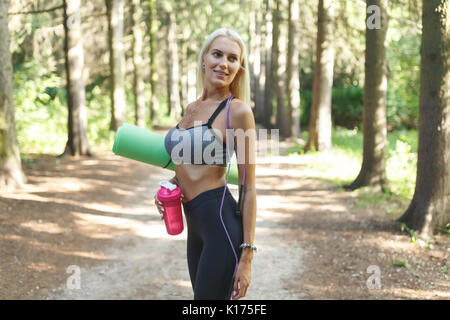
(146, 146)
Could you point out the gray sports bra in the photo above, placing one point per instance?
(199, 144)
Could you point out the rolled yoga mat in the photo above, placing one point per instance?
(146, 146)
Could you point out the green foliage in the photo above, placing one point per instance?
(40, 110)
(401, 161)
(305, 107)
(403, 56)
(369, 198)
(337, 165)
(342, 164)
(403, 77)
(412, 233)
(414, 238)
(99, 117)
(401, 263)
(445, 229)
(346, 107)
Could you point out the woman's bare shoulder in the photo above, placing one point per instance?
(239, 107)
(241, 113)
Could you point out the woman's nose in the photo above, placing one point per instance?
(223, 64)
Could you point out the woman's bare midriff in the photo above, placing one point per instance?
(194, 179)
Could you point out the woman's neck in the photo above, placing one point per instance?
(215, 94)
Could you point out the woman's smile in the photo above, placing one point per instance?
(220, 74)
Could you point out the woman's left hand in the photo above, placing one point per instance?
(242, 280)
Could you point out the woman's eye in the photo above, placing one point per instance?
(218, 54)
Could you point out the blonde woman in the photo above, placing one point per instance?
(221, 231)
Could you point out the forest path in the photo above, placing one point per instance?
(93, 221)
(146, 263)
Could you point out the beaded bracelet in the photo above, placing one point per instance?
(247, 245)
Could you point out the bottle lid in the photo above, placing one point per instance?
(166, 184)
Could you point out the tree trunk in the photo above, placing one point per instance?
(116, 62)
(182, 73)
(172, 66)
(153, 78)
(253, 56)
(292, 74)
(11, 174)
(138, 81)
(280, 70)
(183, 78)
(77, 143)
(320, 120)
(373, 169)
(274, 62)
(259, 64)
(268, 94)
(429, 210)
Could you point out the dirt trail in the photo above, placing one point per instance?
(98, 215)
(149, 264)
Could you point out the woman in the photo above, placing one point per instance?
(220, 241)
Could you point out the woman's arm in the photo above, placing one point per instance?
(243, 123)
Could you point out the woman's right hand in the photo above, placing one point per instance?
(160, 206)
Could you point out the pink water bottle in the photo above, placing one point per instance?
(170, 196)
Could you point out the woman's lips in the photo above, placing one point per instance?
(220, 74)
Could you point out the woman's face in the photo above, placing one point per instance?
(222, 61)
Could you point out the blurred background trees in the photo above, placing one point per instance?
(11, 174)
(161, 40)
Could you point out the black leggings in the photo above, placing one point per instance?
(211, 260)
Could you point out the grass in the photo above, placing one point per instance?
(400, 263)
(342, 164)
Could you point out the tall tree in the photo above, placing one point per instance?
(11, 174)
(279, 67)
(184, 67)
(153, 76)
(373, 169)
(258, 61)
(320, 120)
(138, 81)
(77, 143)
(268, 94)
(275, 76)
(172, 62)
(253, 55)
(429, 209)
(116, 62)
(292, 74)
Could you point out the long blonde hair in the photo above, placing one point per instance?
(240, 87)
